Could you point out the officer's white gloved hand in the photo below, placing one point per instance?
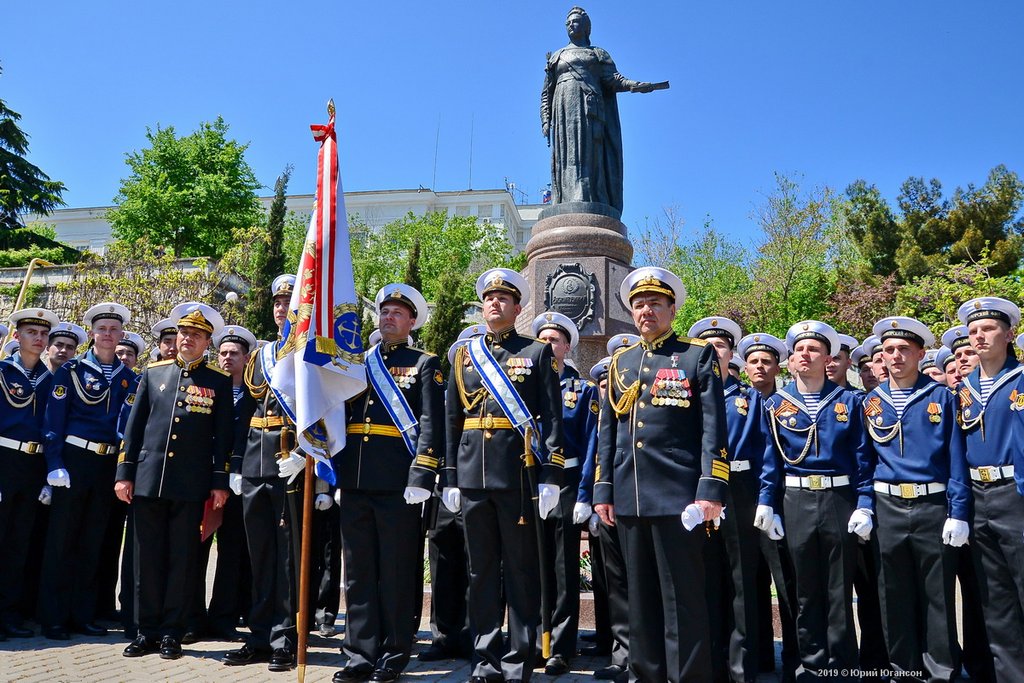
(452, 499)
(414, 495)
(955, 532)
(692, 516)
(719, 519)
(235, 483)
(547, 499)
(763, 517)
(594, 524)
(323, 501)
(290, 467)
(46, 495)
(581, 512)
(860, 523)
(59, 477)
(775, 531)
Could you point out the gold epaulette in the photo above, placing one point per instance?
(214, 366)
(158, 363)
(693, 340)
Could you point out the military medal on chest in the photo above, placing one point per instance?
(404, 377)
(569, 398)
(842, 412)
(742, 405)
(519, 368)
(786, 412)
(199, 399)
(671, 388)
(934, 413)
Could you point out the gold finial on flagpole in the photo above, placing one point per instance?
(330, 107)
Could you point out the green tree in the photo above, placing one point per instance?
(873, 226)
(714, 271)
(446, 321)
(267, 263)
(24, 188)
(188, 194)
(412, 268)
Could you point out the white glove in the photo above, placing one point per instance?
(547, 499)
(580, 512)
(763, 517)
(593, 525)
(775, 531)
(452, 499)
(235, 483)
(719, 519)
(692, 516)
(290, 467)
(955, 532)
(46, 495)
(59, 477)
(414, 495)
(860, 523)
(323, 501)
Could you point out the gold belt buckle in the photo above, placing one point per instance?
(489, 422)
(985, 473)
(908, 491)
(366, 428)
(102, 448)
(32, 447)
(816, 483)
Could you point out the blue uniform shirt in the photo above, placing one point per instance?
(22, 411)
(579, 430)
(743, 408)
(833, 444)
(922, 447)
(84, 404)
(991, 426)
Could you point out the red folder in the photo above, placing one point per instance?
(212, 518)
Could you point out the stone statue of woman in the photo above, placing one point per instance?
(580, 118)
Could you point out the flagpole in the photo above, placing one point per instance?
(307, 542)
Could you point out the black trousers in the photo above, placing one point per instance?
(824, 557)
(28, 607)
(166, 552)
(110, 559)
(326, 566)
(271, 619)
(617, 587)
(977, 655)
(999, 561)
(17, 519)
(668, 616)
(126, 596)
(232, 582)
(563, 581)
(74, 538)
(742, 542)
(718, 592)
(918, 587)
(874, 655)
(449, 582)
(780, 569)
(381, 535)
(502, 555)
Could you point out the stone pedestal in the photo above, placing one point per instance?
(577, 257)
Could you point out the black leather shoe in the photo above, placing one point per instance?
(2, 637)
(384, 675)
(614, 672)
(556, 666)
(246, 655)
(435, 653)
(89, 629)
(191, 637)
(170, 648)
(141, 646)
(281, 660)
(350, 674)
(56, 633)
(14, 631)
(229, 635)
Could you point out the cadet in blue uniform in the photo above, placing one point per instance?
(562, 527)
(958, 340)
(862, 361)
(387, 469)
(816, 449)
(81, 454)
(921, 504)
(175, 456)
(25, 383)
(663, 462)
(732, 570)
(500, 384)
(989, 406)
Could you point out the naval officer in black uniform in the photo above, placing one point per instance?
(663, 470)
(387, 469)
(174, 457)
(484, 473)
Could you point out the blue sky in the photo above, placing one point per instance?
(828, 91)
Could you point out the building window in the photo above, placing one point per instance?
(461, 210)
(485, 210)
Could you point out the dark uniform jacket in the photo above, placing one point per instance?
(662, 440)
(21, 420)
(257, 446)
(482, 450)
(580, 407)
(179, 432)
(375, 457)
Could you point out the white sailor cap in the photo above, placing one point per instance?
(989, 307)
(944, 357)
(11, 347)
(455, 347)
(69, 330)
(107, 310)
(407, 296)
(716, 326)
(902, 327)
(164, 327)
(813, 329)
(133, 340)
(760, 341)
(654, 280)
(503, 280)
(872, 345)
(955, 337)
(4, 330)
(477, 330)
(859, 356)
(375, 338)
(847, 343)
(621, 341)
(1020, 341)
(282, 285)
(600, 369)
(237, 334)
(735, 362)
(35, 316)
(551, 320)
(929, 360)
(154, 354)
(198, 315)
